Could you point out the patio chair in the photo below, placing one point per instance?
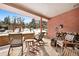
(40, 37)
(15, 41)
(76, 40)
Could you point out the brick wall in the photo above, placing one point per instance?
(69, 19)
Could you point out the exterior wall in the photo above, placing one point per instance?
(70, 21)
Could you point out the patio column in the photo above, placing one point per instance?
(40, 24)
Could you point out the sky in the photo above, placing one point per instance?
(4, 13)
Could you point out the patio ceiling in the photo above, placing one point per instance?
(45, 10)
(18, 11)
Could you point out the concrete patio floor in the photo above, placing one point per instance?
(46, 50)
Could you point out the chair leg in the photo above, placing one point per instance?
(22, 51)
(9, 51)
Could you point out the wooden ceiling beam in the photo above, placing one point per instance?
(18, 6)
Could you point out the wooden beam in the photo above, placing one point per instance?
(18, 6)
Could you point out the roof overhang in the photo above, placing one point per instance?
(37, 10)
(18, 6)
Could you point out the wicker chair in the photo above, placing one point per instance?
(15, 41)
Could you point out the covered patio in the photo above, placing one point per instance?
(55, 14)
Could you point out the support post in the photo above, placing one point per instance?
(40, 24)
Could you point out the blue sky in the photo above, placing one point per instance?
(4, 13)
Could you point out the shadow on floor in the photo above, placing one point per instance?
(44, 51)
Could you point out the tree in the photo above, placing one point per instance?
(37, 23)
(27, 25)
(7, 20)
(21, 21)
(18, 20)
(32, 24)
(44, 24)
